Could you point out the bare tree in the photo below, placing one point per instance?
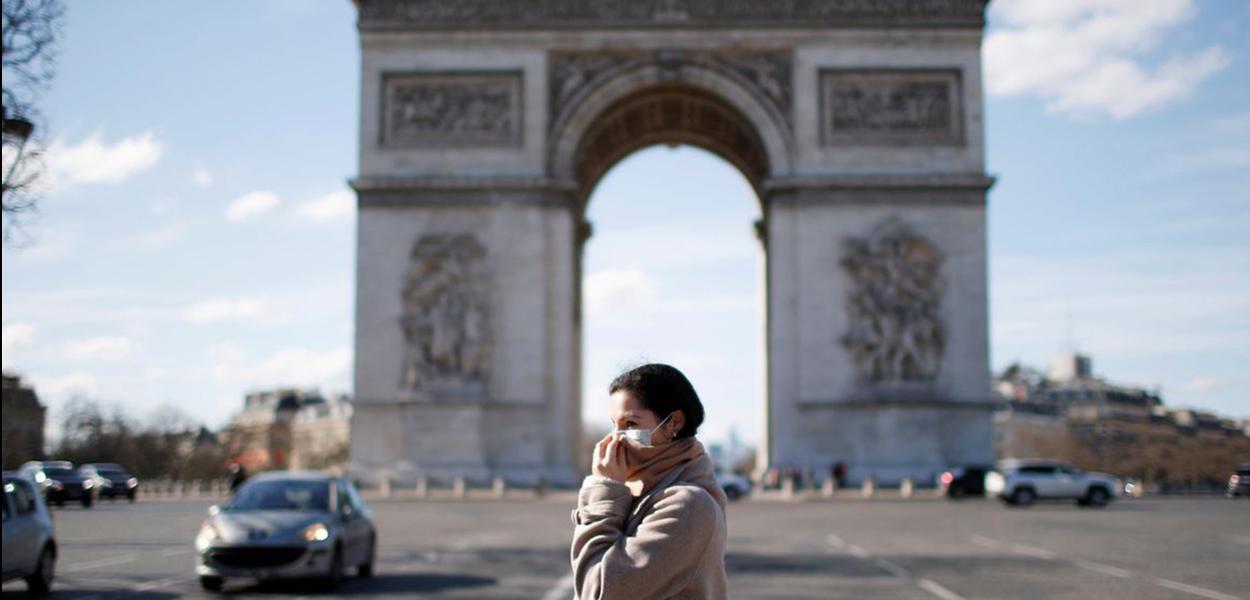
(31, 31)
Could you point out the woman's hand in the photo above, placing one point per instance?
(609, 459)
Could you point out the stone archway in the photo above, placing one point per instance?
(485, 127)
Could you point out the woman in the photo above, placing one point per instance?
(650, 520)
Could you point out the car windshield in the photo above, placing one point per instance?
(111, 473)
(283, 495)
(57, 472)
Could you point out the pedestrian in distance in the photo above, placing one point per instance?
(237, 476)
(650, 519)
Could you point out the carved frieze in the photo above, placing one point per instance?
(452, 109)
(895, 329)
(766, 72)
(615, 14)
(446, 316)
(892, 108)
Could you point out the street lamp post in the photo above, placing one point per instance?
(16, 132)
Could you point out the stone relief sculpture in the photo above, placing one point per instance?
(895, 332)
(452, 109)
(899, 107)
(446, 315)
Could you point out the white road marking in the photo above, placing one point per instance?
(858, 552)
(894, 569)
(176, 551)
(981, 540)
(836, 541)
(1195, 590)
(160, 583)
(934, 588)
(562, 589)
(1031, 551)
(95, 564)
(1101, 568)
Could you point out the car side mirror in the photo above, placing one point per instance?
(346, 514)
(214, 510)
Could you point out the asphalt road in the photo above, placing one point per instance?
(900, 549)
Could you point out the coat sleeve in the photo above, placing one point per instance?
(657, 561)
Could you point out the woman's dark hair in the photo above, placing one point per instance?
(662, 389)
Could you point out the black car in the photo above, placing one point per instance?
(63, 483)
(115, 481)
(968, 480)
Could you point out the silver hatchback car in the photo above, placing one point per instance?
(287, 525)
(29, 541)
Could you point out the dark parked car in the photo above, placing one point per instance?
(29, 542)
(968, 480)
(61, 482)
(114, 479)
(1239, 482)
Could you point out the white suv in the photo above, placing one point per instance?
(1021, 482)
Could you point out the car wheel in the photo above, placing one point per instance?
(40, 581)
(86, 502)
(1096, 497)
(131, 496)
(212, 584)
(957, 491)
(366, 568)
(732, 492)
(1023, 497)
(335, 575)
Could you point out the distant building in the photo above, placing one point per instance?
(23, 417)
(321, 434)
(1127, 430)
(288, 428)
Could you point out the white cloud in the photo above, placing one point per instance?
(302, 367)
(154, 374)
(251, 205)
(227, 352)
(101, 348)
(224, 309)
(77, 382)
(158, 238)
(201, 177)
(51, 244)
(94, 161)
(1201, 384)
(1089, 57)
(614, 289)
(16, 336)
(333, 206)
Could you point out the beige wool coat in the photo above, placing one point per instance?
(667, 543)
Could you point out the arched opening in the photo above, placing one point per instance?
(668, 179)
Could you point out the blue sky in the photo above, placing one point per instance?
(197, 238)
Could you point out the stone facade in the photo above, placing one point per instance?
(24, 418)
(486, 125)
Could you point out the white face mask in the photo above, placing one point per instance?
(640, 435)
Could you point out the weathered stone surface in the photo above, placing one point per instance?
(494, 120)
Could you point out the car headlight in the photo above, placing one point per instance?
(88, 484)
(317, 532)
(132, 482)
(207, 535)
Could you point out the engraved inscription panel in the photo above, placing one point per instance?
(452, 109)
(890, 108)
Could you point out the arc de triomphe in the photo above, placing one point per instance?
(485, 124)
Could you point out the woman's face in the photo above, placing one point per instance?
(628, 413)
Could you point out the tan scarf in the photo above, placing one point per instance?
(647, 466)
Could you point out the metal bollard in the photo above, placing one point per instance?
(829, 487)
(459, 489)
(423, 487)
(384, 488)
(499, 487)
(907, 488)
(869, 487)
(540, 486)
(787, 488)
